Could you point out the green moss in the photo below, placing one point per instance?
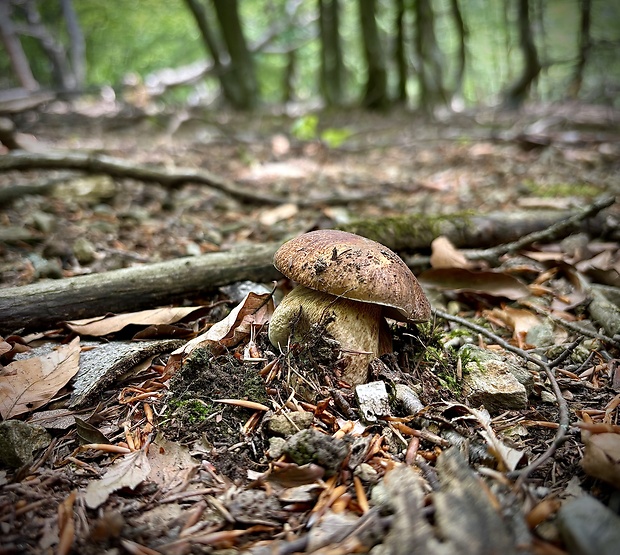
(554, 190)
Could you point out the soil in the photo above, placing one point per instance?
(233, 496)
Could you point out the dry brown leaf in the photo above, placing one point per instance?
(31, 383)
(520, 321)
(127, 472)
(277, 214)
(170, 463)
(253, 310)
(496, 284)
(445, 255)
(106, 325)
(601, 459)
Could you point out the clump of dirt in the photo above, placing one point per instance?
(195, 414)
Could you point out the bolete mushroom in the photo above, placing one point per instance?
(352, 283)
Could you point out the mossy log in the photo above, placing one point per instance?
(411, 232)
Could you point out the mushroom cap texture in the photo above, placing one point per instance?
(351, 266)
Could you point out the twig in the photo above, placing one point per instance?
(563, 417)
(168, 177)
(549, 233)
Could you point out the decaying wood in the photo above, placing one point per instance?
(417, 231)
(105, 362)
(46, 304)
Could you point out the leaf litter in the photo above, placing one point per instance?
(228, 480)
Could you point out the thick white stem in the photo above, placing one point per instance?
(355, 325)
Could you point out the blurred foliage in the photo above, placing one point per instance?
(149, 35)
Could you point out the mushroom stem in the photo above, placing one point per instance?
(355, 325)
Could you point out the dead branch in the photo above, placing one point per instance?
(168, 177)
(46, 304)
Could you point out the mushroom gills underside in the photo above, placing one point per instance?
(359, 328)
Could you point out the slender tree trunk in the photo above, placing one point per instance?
(462, 34)
(288, 80)
(585, 44)
(77, 45)
(62, 75)
(332, 67)
(400, 54)
(17, 57)
(516, 93)
(212, 47)
(241, 62)
(430, 58)
(375, 95)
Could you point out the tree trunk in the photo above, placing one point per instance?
(212, 48)
(375, 95)
(462, 34)
(62, 74)
(430, 58)
(332, 67)
(585, 44)
(77, 45)
(516, 93)
(245, 85)
(400, 53)
(44, 305)
(17, 57)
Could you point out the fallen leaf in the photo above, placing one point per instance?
(601, 458)
(520, 321)
(170, 462)
(105, 325)
(445, 255)
(126, 472)
(277, 214)
(495, 284)
(253, 310)
(31, 383)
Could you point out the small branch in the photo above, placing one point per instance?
(554, 231)
(168, 177)
(563, 417)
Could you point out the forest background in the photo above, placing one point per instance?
(422, 54)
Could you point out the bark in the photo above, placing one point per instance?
(516, 93)
(243, 80)
(400, 54)
(462, 34)
(77, 44)
(62, 75)
(46, 304)
(585, 44)
(211, 46)
(375, 95)
(332, 66)
(17, 57)
(430, 58)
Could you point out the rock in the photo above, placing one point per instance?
(84, 250)
(18, 442)
(285, 425)
(311, 446)
(489, 380)
(588, 527)
(540, 335)
(373, 400)
(276, 447)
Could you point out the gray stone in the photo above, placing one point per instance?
(285, 425)
(588, 527)
(312, 446)
(540, 335)
(489, 381)
(19, 440)
(84, 250)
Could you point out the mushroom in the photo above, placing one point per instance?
(350, 283)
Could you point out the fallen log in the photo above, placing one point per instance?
(46, 304)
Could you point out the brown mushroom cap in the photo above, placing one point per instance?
(351, 266)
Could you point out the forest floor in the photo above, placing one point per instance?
(158, 464)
